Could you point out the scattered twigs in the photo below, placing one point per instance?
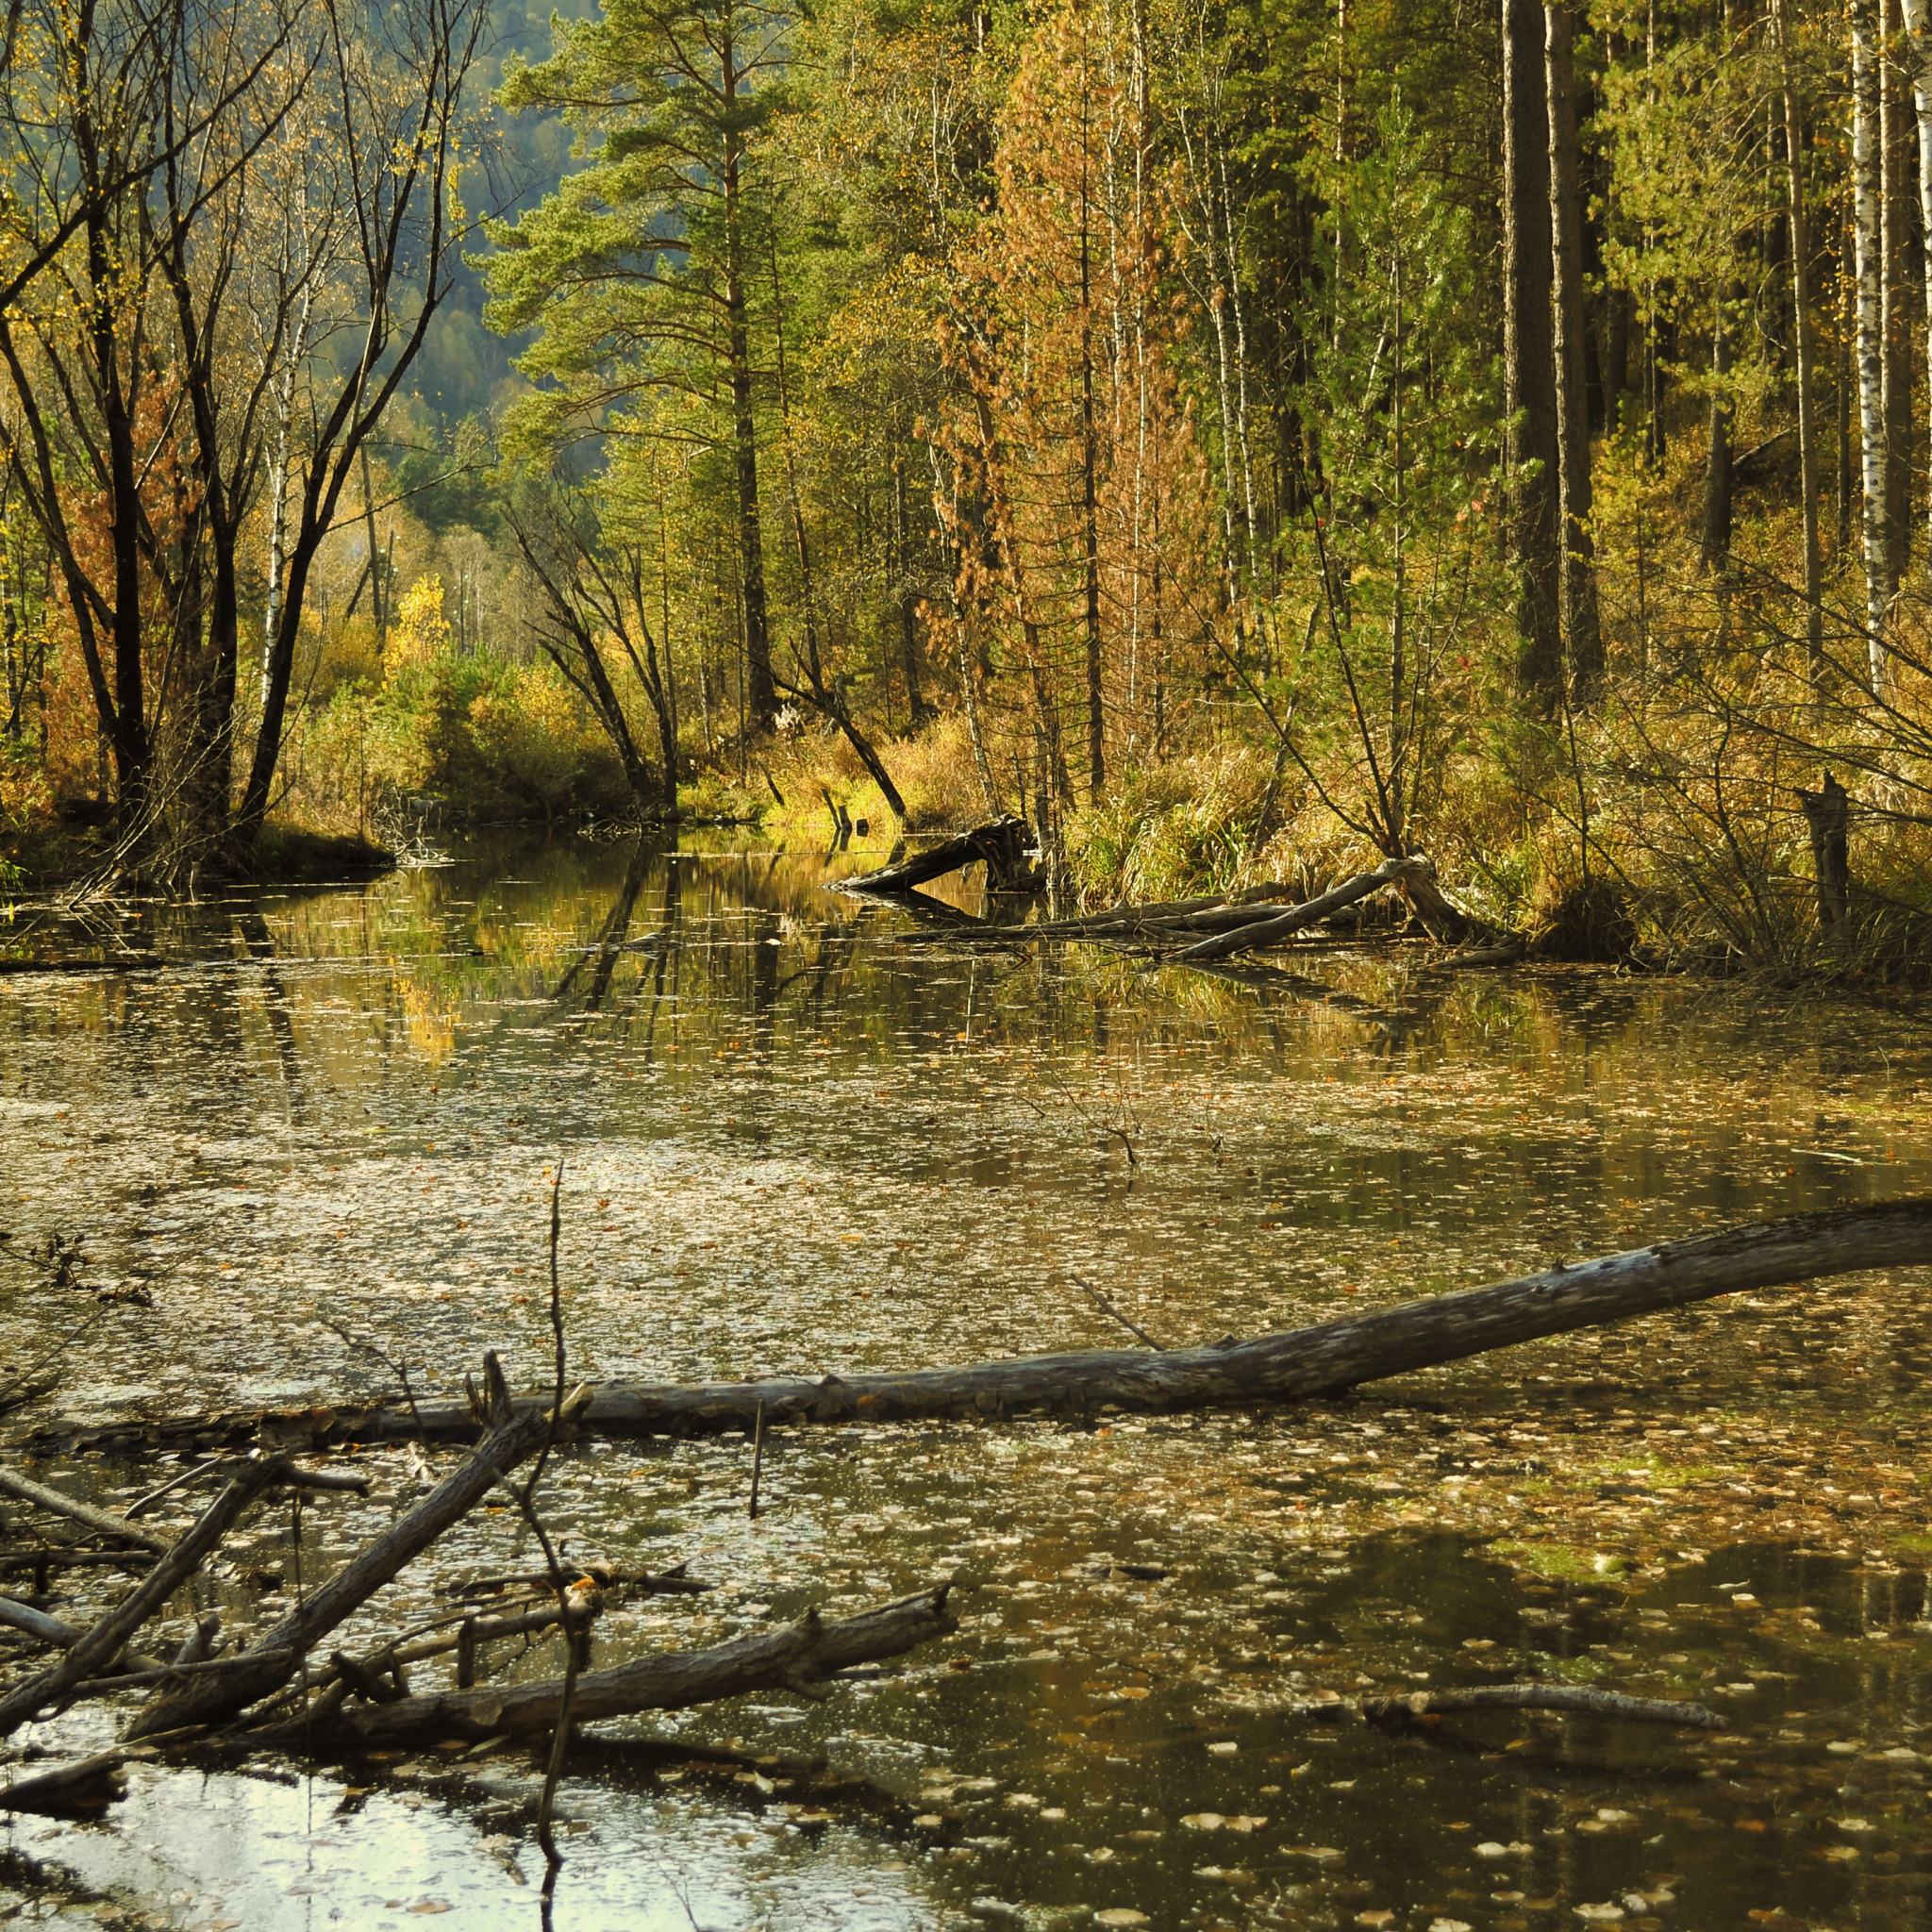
(395, 1364)
(23, 1385)
(1576, 1697)
(671, 1582)
(510, 1439)
(55, 1558)
(572, 1644)
(102, 1522)
(1107, 1308)
(193, 1475)
(108, 1636)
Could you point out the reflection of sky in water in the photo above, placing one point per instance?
(796, 1145)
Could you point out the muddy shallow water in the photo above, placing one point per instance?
(794, 1143)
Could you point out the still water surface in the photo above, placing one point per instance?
(794, 1143)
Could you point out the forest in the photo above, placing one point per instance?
(1249, 442)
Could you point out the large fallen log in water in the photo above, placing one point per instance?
(1286, 1367)
(1002, 843)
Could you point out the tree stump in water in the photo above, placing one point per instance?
(1829, 815)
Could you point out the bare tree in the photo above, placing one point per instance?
(101, 105)
(393, 80)
(595, 597)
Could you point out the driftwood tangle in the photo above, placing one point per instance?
(1219, 926)
(1290, 1366)
(1002, 843)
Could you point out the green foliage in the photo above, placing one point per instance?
(1403, 550)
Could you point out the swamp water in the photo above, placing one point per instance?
(794, 1143)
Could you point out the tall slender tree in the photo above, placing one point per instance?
(1867, 180)
(1804, 328)
(1533, 453)
(1582, 635)
(637, 273)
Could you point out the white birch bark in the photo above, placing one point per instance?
(1867, 215)
(1918, 16)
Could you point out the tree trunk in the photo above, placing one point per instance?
(1918, 15)
(1828, 818)
(1714, 549)
(761, 698)
(917, 712)
(1898, 294)
(1529, 356)
(1867, 222)
(1582, 634)
(1089, 515)
(1287, 1367)
(1806, 343)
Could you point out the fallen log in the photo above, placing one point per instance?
(58, 1636)
(102, 1522)
(1167, 919)
(1570, 1697)
(1268, 932)
(1285, 1367)
(108, 1637)
(1002, 843)
(799, 1657)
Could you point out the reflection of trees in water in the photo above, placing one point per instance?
(610, 940)
(254, 934)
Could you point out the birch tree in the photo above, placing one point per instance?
(1867, 218)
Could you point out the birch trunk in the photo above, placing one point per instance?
(1895, 220)
(1866, 222)
(1801, 305)
(1919, 40)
